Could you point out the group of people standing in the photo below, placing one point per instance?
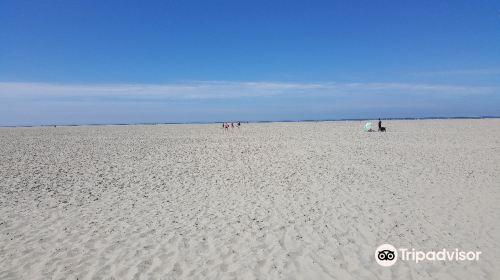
(226, 126)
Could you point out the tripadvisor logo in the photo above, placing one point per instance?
(387, 255)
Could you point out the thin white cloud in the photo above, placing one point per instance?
(225, 89)
(53, 103)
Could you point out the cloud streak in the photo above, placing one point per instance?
(224, 90)
(53, 103)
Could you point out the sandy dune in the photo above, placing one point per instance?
(267, 201)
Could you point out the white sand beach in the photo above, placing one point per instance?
(265, 201)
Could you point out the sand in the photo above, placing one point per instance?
(266, 201)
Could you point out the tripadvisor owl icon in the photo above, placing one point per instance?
(386, 255)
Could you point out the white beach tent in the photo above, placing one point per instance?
(368, 126)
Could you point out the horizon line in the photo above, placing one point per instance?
(258, 121)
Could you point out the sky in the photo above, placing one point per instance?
(101, 62)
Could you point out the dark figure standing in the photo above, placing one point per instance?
(380, 127)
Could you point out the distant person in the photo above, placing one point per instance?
(380, 127)
(239, 124)
(232, 125)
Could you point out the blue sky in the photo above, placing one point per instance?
(76, 62)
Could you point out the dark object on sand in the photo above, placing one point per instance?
(380, 127)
